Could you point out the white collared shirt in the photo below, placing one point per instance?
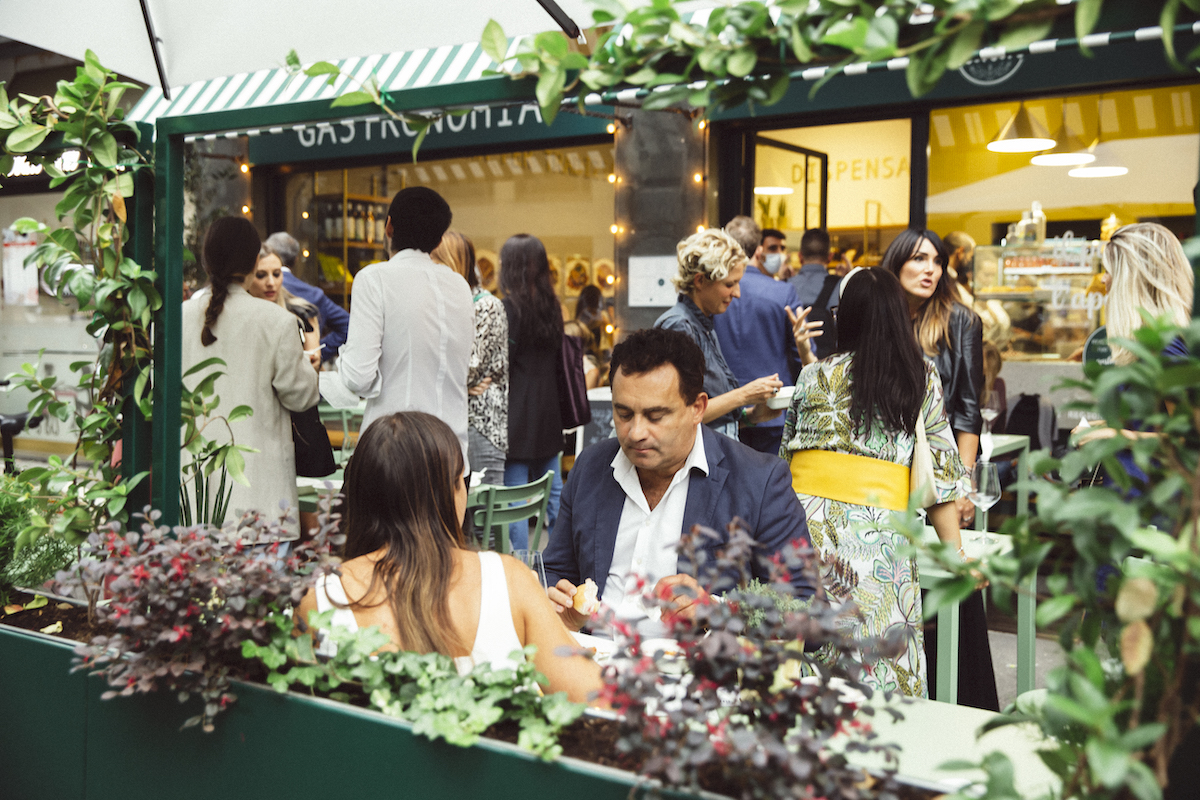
(647, 539)
(412, 329)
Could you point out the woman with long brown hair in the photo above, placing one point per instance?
(951, 334)
(535, 331)
(850, 436)
(408, 569)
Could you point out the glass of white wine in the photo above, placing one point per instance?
(985, 491)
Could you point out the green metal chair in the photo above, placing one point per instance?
(501, 506)
(350, 418)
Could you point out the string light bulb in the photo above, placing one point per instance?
(699, 229)
(613, 227)
(612, 177)
(612, 127)
(245, 209)
(305, 254)
(304, 215)
(698, 178)
(703, 124)
(245, 168)
(609, 328)
(610, 280)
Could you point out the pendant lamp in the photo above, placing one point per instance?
(1105, 165)
(1021, 134)
(1070, 151)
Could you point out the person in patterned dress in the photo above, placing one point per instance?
(850, 438)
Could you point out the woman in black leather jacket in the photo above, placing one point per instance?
(949, 332)
(952, 335)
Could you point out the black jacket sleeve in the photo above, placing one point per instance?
(961, 369)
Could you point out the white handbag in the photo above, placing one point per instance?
(920, 475)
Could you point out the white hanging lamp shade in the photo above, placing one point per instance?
(1071, 151)
(1021, 134)
(1106, 164)
(1100, 168)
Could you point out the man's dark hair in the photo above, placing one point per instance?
(814, 245)
(647, 350)
(419, 218)
(774, 233)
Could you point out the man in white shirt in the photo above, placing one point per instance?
(628, 500)
(412, 323)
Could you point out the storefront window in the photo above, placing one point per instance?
(1030, 282)
(852, 179)
(562, 196)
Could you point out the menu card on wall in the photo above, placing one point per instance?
(650, 281)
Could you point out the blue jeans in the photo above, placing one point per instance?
(519, 472)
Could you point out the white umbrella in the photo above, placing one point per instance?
(203, 39)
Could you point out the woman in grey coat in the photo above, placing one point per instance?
(265, 368)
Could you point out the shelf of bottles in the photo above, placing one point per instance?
(350, 235)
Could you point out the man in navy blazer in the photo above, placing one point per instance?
(629, 499)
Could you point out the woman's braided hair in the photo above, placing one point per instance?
(230, 251)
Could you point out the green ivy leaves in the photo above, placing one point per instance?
(422, 688)
(740, 45)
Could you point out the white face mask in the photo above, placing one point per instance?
(772, 262)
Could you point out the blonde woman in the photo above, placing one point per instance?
(313, 450)
(266, 283)
(1144, 268)
(487, 378)
(711, 264)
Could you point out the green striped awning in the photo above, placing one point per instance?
(396, 71)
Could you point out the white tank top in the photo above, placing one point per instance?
(495, 640)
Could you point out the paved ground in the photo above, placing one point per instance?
(1004, 661)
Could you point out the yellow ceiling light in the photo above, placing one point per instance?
(1021, 134)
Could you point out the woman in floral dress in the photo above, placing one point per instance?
(850, 437)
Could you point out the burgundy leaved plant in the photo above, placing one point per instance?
(183, 600)
(744, 710)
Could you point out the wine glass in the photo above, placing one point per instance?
(533, 560)
(985, 490)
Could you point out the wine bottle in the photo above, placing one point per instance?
(381, 224)
(327, 219)
(338, 223)
(370, 237)
(360, 232)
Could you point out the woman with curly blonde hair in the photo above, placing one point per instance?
(711, 264)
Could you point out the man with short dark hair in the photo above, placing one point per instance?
(629, 500)
(334, 321)
(412, 325)
(817, 288)
(755, 332)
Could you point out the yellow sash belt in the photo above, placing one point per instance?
(850, 479)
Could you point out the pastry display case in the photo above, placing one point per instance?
(1039, 302)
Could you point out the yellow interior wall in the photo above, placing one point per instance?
(1156, 133)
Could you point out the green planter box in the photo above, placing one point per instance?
(61, 742)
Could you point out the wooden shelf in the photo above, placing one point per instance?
(354, 198)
